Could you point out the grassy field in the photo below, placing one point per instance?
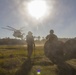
(13, 57)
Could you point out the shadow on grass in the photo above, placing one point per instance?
(40, 62)
(62, 68)
(43, 63)
(25, 68)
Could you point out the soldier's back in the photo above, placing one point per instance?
(52, 37)
(29, 39)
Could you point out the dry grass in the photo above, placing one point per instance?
(13, 57)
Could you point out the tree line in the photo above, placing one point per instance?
(10, 41)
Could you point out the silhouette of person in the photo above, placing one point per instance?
(51, 45)
(52, 37)
(30, 43)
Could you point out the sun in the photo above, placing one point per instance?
(37, 8)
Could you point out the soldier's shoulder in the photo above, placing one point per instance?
(55, 36)
(32, 36)
(48, 35)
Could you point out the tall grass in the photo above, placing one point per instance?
(12, 57)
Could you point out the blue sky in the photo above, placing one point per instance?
(62, 18)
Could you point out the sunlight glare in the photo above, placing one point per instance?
(37, 8)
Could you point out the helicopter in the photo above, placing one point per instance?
(17, 32)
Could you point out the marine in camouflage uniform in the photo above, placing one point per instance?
(51, 37)
(53, 48)
(30, 43)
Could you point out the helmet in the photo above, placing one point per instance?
(51, 31)
(29, 33)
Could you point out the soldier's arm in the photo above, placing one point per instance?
(33, 42)
(47, 36)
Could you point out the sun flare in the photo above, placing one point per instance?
(37, 8)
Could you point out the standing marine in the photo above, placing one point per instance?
(52, 37)
(30, 43)
(53, 48)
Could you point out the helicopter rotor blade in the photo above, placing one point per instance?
(7, 29)
(12, 28)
